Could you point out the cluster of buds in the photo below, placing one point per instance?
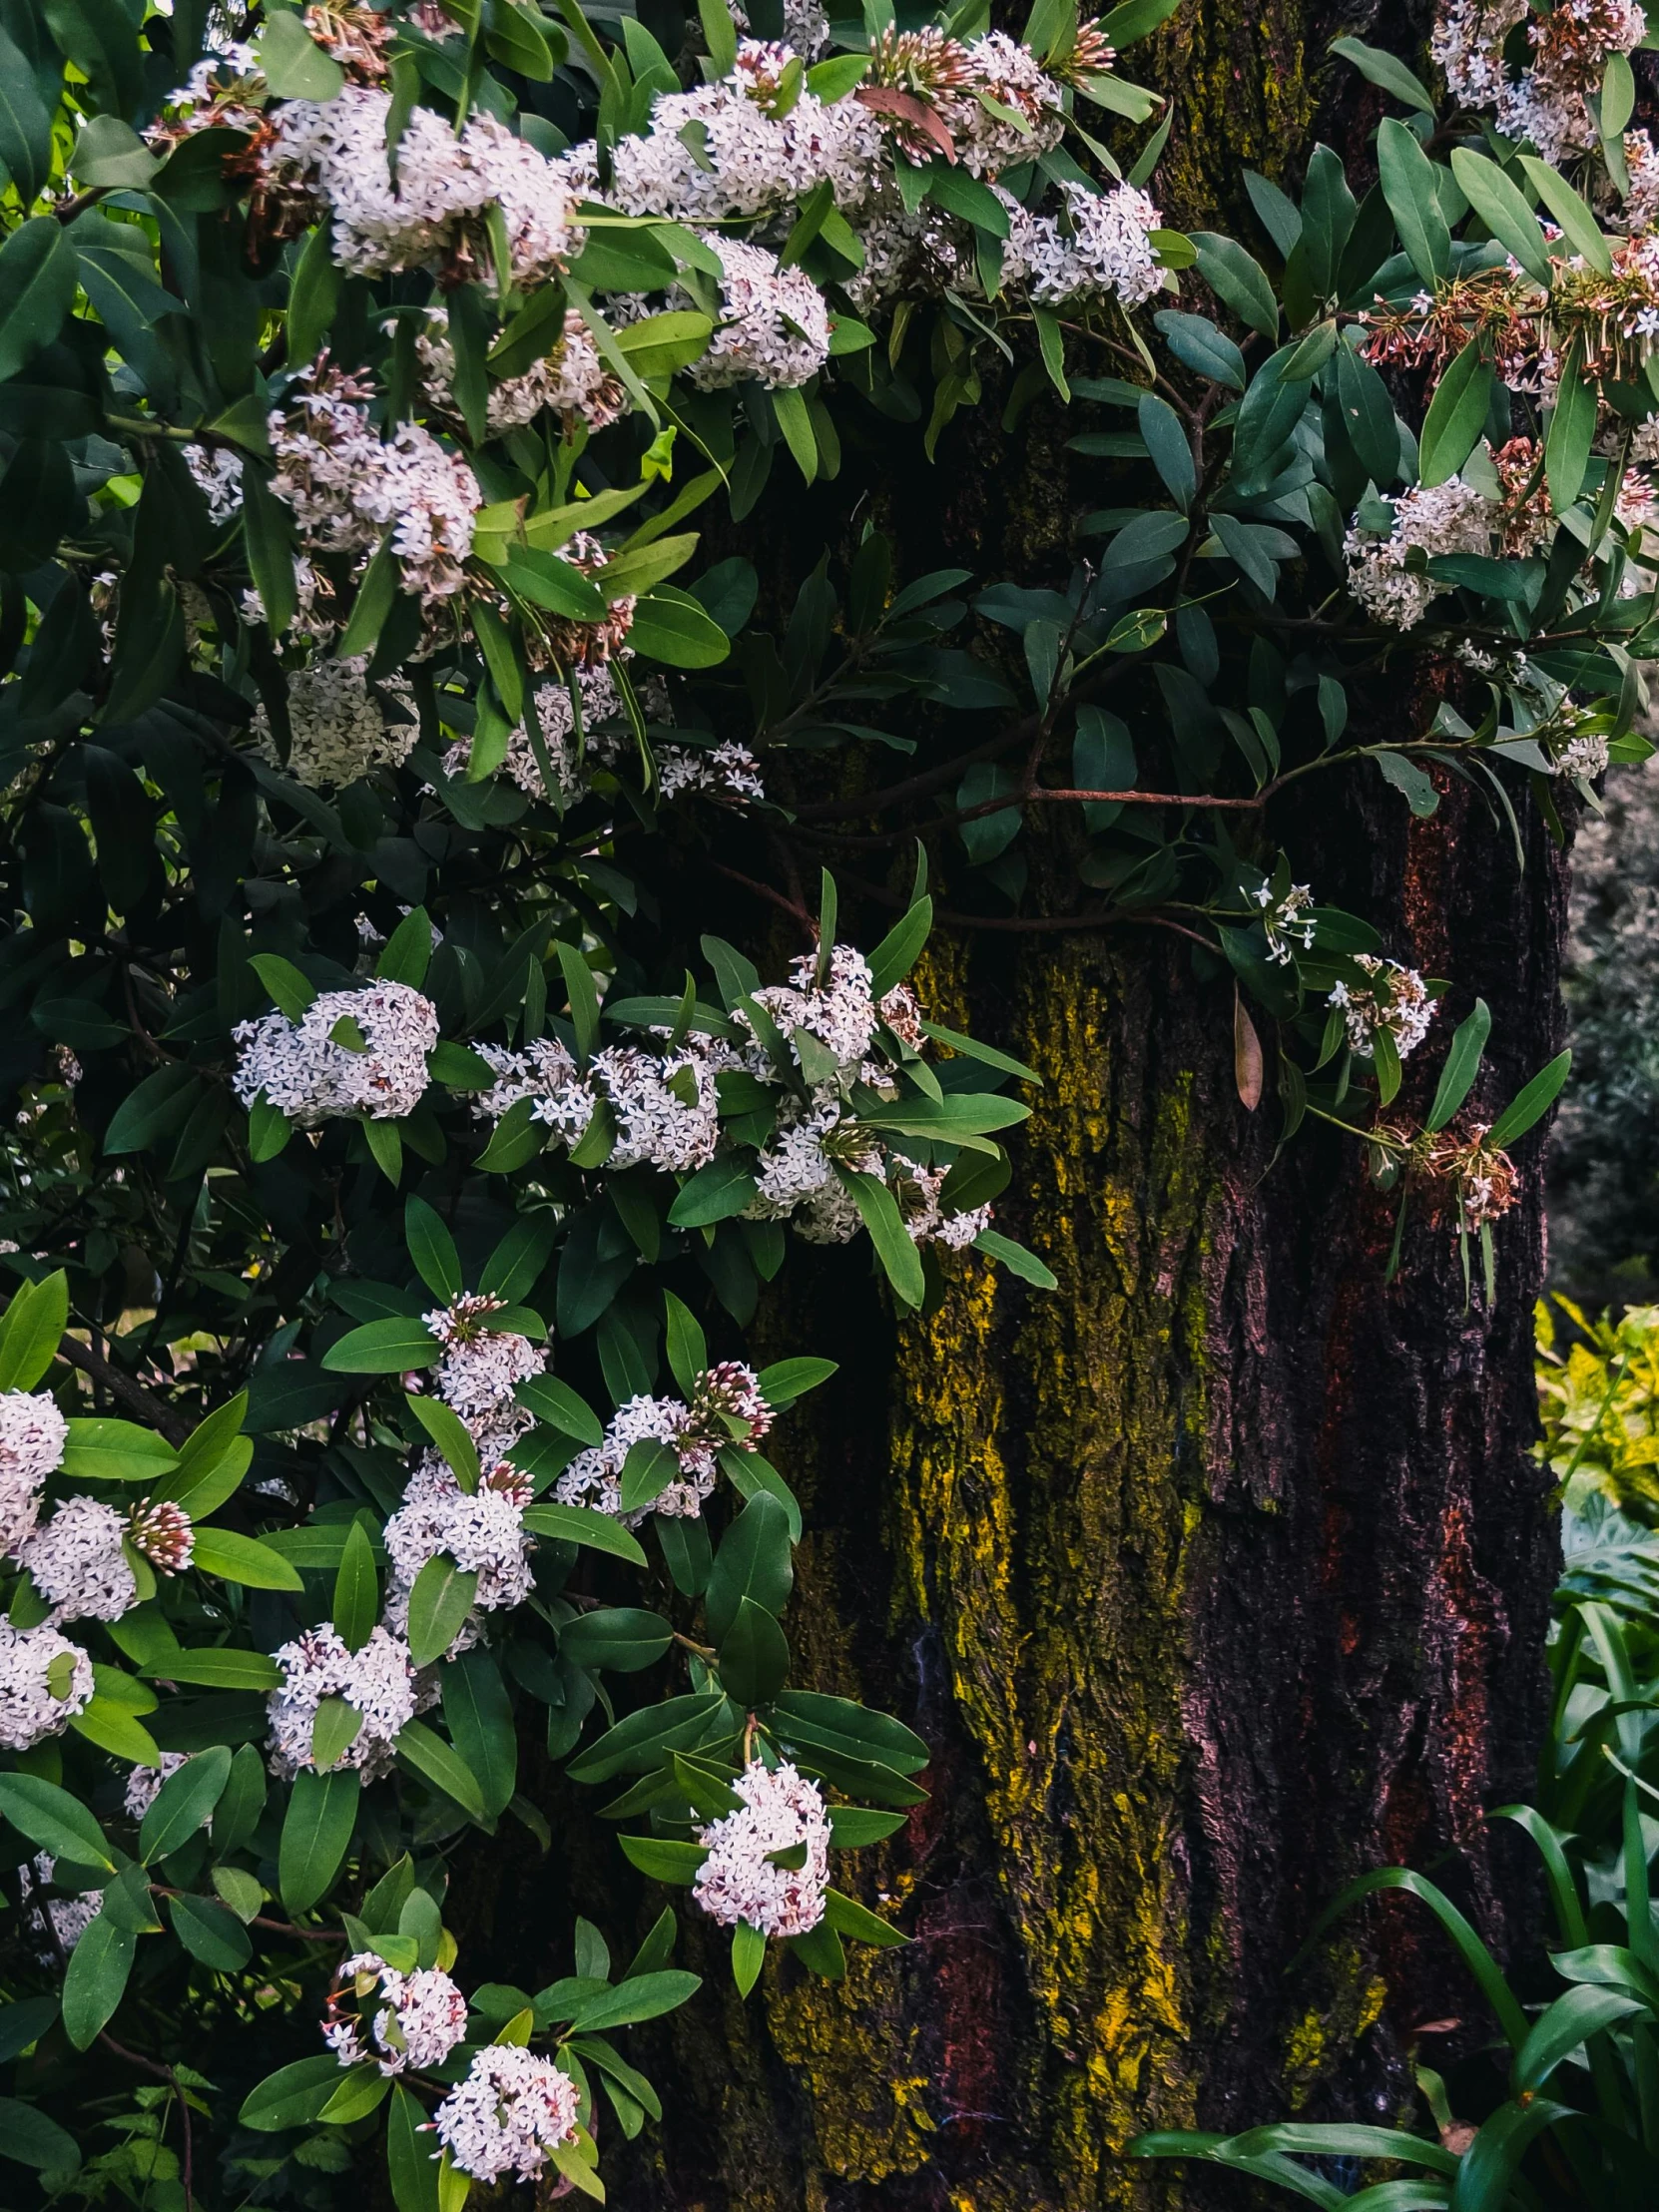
(1464, 1180)
(162, 1533)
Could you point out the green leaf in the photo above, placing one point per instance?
(1407, 176)
(753, 1654)
(1385, 69)
(210, 1932)
(32, 1329)
(1486, 2175)
(440, 1603)
(1239, 279)
(295, 66)
(663, 1858)
(748, 1954)
(426, 1754)
(1016, 1258)
(244, 1559)
(335, 1727)
(100, 38)
(787, 1380)
(1503, 209)
(220, 1669)
(852, 1826)
(184, 1804)
(1476, 1957)
(294, 2095)
(878, 1210)
(407, 953)
(1530, 1102)
(849, 1918)
(645, 1996)
(646, 1473)
(356, 1605)
(316, 1835)
(1572, 429)
(1463, 1064)
(582, 1524)
(110, 1724)
(432, 1249)
(1557, 2032)
(557, 1404)
(900, 948)
(621, 1637)
(54, 1821)
(96, 1980)
(411, 2167)
(1456, 415)
(24, 127)
(103, 1449)
(450, 1433)
(479, 1716)
(673, 628)
(1584, 232)
(715, 1193)
(28, 2136)
(291, 992)
(753, 1561)
(687, 1348)
(389, 1346)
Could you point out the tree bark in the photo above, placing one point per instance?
(1216, 1577)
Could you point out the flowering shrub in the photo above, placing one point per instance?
(387, 1127)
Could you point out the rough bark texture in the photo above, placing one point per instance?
(1218, 1576)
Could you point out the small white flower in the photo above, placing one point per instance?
(738, 1881)
(310, 1077)
(45, 1680)
(78, 1562)
(32, 1438)
(408, 2020)
(1397, 1000)
(378, 1680)
(513, 2108)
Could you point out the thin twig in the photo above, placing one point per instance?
(131, 1395)
(164, 2073)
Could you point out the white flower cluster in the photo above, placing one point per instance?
(436, 210)
(1099, 247)
(77, 1563)
(409, 2020)
(217, 472)
(1430, 519)
(347, 487)
(727, 1408)
(481, 1366)
(1397, 1000)
(727, 771)
(1287, 921)
(594, 1476)
(45, 1680)
(604, 735)
(1585, 757)
(917, 1191)
(32, 1438)
(774, 327)
(482, 1530)
(720, 151)
(739, 1880)
(513, 2108)
(62, 1922)
(306, 1074)
(1545, 102)
(338, 729)
(806, 26)
(571, 380)
(144, 1783)
(664, 1106)
(378, 1680)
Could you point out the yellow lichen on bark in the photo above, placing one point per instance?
(1042, 1520)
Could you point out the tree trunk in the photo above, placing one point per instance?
(1216, 1577)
